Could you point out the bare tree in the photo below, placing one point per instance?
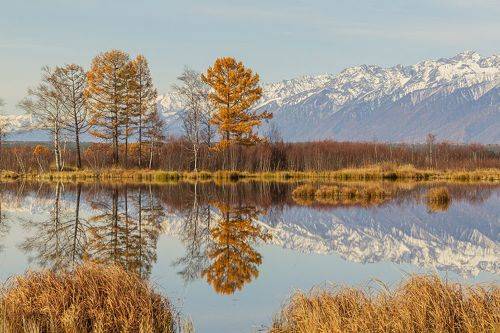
(70, 82)
(44, 104)
(430, 140)
(196, 110)
(3, 126)
(154, 128)
(143, 96)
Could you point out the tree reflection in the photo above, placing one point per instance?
(60, 240)
(195, 235)
(125, 229)
(222, 253)
(121, 227)
(233, 260)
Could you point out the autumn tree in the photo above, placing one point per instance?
(235, 89)
(70, 82)
(143, 99)
(44, 104)
(194, 93)
(42, 155)
(107, 93)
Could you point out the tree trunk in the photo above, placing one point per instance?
(151, 155)
(140, 140)
(77, 142)
(57, 149)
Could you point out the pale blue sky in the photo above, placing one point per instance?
(279, 39)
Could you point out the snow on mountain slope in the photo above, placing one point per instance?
(406, 234)
(457, 98)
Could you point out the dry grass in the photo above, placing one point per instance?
(438, 199)
(340, 195)
(376, 172)
(422, 304)
(304, 191)
(91, 298)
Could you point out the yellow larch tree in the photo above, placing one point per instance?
(107, 95)
(235, 89)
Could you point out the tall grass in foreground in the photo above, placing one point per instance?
(421, 304)
(91, 298)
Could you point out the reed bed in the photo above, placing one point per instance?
(438, 199)
(92, 298)
(421, 304)
(377, 172)
(306, 194)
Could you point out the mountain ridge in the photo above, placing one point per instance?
(456, 98)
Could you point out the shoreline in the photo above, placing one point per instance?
(361, 174)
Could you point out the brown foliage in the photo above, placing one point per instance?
(91, 298)
(235, 89)
(421, 304)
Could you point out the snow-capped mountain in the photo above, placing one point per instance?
(456, 98)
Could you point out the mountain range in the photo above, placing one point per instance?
(457, 99)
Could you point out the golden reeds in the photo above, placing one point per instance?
(438, 199)
(92, 298)
(421, 304)
(340, 195)
(377, 172)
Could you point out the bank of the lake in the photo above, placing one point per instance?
(377, 172)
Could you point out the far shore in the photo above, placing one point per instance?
(395, 173)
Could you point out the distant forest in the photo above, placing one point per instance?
(271, 155)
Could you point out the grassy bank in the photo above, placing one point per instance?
(91, 298)
(421, 304)
(382, 172)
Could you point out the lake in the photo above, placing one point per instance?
(229, 255)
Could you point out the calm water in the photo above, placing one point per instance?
(228, 256)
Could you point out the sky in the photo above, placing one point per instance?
(279, 39)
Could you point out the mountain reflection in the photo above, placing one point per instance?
(221, 227)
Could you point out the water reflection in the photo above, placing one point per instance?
(220, 240)
(222, 227)
(59, 240)
(124, 228)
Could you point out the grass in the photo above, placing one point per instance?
(438, 199)
(92, 298)
(340, 195)
(421, 304)
(376, 172)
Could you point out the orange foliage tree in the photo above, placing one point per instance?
(107, 94)
(235, 89)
